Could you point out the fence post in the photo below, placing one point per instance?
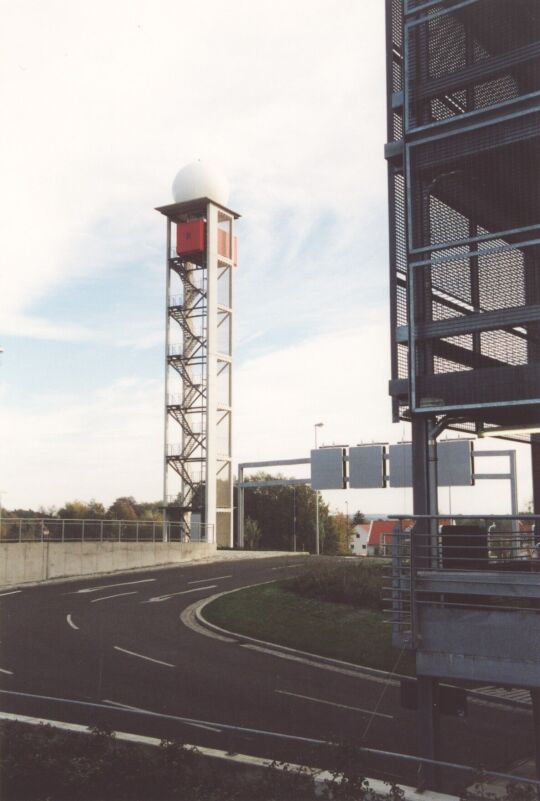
(101, 530)
(82, 531)
(41, 530)
(137, 532)
(63, 530)
(20, 530)
(119, 531)
(154, 531)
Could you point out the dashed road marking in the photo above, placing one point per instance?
(108, 597)
(159, 598)
(340, 706)
(142, 656)
(110, 586)
(149, 712)
(71, 623)
(210, 578)
(7, 672)
(12, 592)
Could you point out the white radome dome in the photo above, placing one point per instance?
(199, 179)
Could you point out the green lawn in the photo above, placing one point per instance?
(272, 612)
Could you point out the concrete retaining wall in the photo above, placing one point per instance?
(37, 561)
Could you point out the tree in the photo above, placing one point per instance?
(286, 515)
(124, 508)
(79, 510)
(358, 518)
(252, 533)
(340, 530)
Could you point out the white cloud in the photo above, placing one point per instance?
(109, 443)
(106, 102)
(101, 445)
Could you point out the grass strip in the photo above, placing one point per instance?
(274, 613)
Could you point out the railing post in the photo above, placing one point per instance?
(119, 531)
(82, 531)
(20, 529)
(137, 532)
(63, 530)
(101, 530)
(153, 531)
(397, 601)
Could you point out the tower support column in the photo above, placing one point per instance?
(424, 474)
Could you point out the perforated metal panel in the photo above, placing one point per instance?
(464, 198)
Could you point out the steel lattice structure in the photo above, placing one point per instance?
(463, 151)
(464, 169)
(198, 392)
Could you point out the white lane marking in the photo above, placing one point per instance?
(333, 703)
(147, 712)
(110, 586)
(179, 718)
(107, 597)
(13, 592)
(8, 672)
(159, 598)
(210, 578)
(71, 623)
(142, 656)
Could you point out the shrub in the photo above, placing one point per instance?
(349, 582)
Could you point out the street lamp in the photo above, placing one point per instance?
(317, 546)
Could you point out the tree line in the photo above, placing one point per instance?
(275, 518)
(284, 518)
(123, 508)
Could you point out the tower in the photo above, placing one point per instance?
(200, 260)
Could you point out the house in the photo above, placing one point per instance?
(374, 538)
(359, 539)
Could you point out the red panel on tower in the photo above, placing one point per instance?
(190, 237)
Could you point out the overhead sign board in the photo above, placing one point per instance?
(454, 463)
(400, 465)
(366, 467)
(328, 468)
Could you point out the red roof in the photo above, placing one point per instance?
(378, 528)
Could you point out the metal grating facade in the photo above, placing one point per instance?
(463, 85)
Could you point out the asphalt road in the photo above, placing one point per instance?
(112, 651)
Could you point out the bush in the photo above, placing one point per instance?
(40, 763)
(347, 582)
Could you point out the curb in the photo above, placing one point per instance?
(374, 673)
(393, 679)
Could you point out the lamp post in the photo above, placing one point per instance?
(347, 529)
(317, 543)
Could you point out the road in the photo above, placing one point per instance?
(112, 651)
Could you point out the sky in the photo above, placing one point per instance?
(104, 103)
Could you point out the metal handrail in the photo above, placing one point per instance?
(61, 530)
